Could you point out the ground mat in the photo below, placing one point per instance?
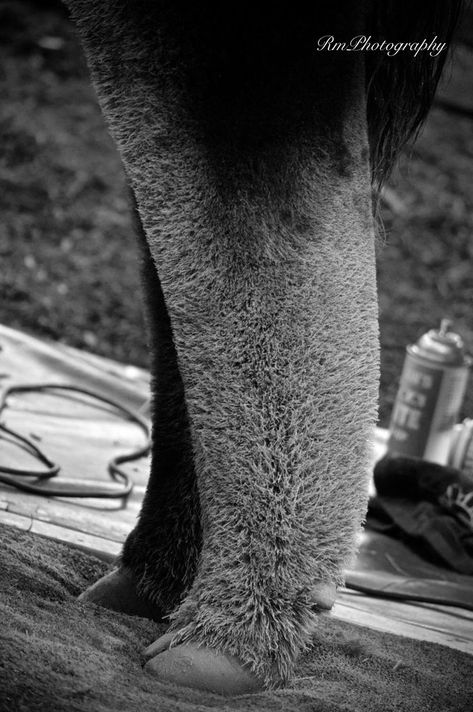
(388, 567)
(58, 654)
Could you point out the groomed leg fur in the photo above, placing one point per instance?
(167, 538)
(247, 152)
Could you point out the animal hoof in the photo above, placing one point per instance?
(117, 591)
(201, 668)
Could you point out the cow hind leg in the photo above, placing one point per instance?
(249, 161)
(159, 559)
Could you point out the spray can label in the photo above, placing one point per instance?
(431, 390)
(414, 408)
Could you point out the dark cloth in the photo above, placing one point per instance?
(427, 506)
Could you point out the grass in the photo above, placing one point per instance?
(69, 267)
(69, 270)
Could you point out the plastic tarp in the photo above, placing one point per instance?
(82, 437)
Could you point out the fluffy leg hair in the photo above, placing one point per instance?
(247, 152)
(163, 549)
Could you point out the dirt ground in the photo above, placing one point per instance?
(69, 268)
(57, 654)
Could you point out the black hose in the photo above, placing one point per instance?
(13, 476)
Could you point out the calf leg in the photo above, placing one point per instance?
(248, 155)
(159, 559)
(276, 335)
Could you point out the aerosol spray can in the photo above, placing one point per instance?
(461, 451)
(431, 391)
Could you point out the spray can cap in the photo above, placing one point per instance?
(441, 345)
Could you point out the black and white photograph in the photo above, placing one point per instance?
(236, 355)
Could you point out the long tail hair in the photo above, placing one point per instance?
(401, 88)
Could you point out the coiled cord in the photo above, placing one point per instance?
(13, 476)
